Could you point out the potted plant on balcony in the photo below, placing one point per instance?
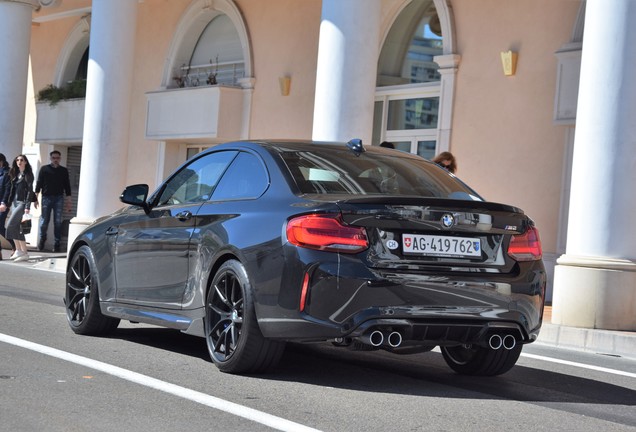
(72, 90)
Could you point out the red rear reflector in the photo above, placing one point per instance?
(526, 246)
(327, 233)
(303, 292)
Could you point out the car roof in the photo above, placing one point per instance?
(303, 145)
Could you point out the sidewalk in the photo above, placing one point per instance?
(614, 343)
(45, 260)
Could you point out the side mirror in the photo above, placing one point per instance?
(136, 195)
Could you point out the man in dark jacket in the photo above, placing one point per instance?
(53, 181)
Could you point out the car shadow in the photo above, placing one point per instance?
(520, 383)
(164, 339)
(427, 375)
(424, 374)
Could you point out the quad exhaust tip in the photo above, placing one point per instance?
(377, 338)
(509, 342)
(394, 339)
(497, 342)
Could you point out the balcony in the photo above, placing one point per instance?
(197, 114)
(62, 123)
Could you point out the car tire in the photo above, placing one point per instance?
(480, 361)
(234, 340)
(81, 299)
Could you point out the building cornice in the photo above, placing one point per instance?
(62, 15)
(35, 4)
(49, 3)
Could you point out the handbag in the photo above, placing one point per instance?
(25, 225)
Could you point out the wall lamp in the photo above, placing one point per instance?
(285, 85)
(509, 62)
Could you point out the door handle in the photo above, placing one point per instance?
(184, 215)
(112, 231)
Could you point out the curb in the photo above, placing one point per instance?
(606, 342)
(57, 265)
(41, 261)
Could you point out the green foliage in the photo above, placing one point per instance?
(53, 94)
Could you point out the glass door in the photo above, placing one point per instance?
(408, 117)
(424, 148)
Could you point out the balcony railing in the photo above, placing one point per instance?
(223, 73)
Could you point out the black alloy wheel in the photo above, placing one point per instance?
(82, 299)
(480, 361)
(234, 340)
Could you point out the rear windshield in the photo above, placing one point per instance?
(335, 171)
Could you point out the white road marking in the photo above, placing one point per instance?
(195, 396)
(569, 363)
(580, 365)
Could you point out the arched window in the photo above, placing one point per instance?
(220, 47)
(408, 96)
(210, 46)
(82, 68)
(211, 54)
(73, 60)
(408, 51)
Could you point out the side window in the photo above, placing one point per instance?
(196, 181)
(246, 178)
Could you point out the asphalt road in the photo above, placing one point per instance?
(145, 378)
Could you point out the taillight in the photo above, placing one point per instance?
(327, 233)
(526, 246)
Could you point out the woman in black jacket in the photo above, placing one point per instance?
(4, 183)
(18, 196)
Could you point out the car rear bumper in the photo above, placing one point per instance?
(435, 328)
(426, 309)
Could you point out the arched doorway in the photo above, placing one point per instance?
(415, 81)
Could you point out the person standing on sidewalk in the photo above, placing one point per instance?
(19, 196)
(4, 183)
(53, 182)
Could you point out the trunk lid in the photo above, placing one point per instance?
(445, 235)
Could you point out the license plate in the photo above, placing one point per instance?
(441, 246)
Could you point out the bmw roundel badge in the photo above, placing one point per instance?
(448, 220)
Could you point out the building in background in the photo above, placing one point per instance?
(158, 81)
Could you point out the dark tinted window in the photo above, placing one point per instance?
(245, 178)
(335, 171)
(196, 181)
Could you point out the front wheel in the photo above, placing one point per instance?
(82, 297)
(235, 342)
(480, 361)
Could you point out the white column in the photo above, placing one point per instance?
(347, 68)
(107, 112)
(448, 65)
(15, 39)
(595, 281)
